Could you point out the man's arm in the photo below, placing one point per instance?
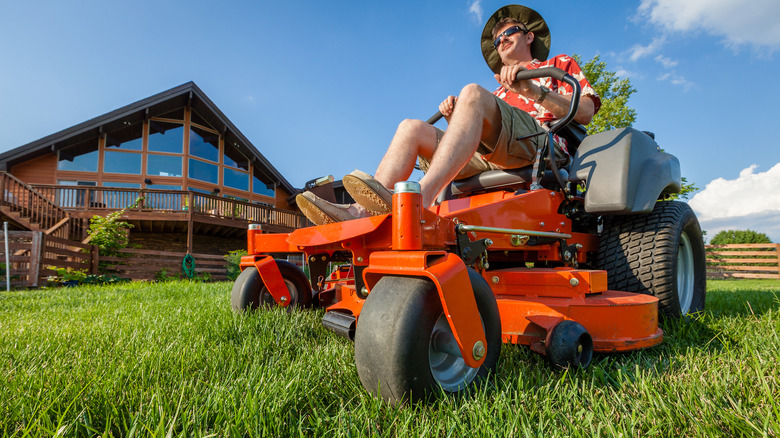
(556, 103)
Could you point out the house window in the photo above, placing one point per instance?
(82, 157)
(122, 162)
(163, 165)
(203, 171)
(121, 185)
(163, 187)
(166, 137)
(204, 144)
(234, 158)
(129, 138)
(235, 179)
(260, 188)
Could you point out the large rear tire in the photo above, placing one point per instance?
(404, 347)
(249, 292)
(659, 254)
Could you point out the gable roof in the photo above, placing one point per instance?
(187, 94)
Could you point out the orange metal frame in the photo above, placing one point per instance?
(413, 241)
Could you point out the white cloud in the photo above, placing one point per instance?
(676, 79)
(475, 9)
(751, 201)
(756, 22)
(638, 51)
(666, 62)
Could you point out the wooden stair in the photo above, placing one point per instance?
(30, 210)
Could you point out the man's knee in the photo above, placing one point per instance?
(415, 129)
(474, 94)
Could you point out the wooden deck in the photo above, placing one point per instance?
(171, 210)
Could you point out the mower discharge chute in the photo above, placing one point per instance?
(518, 257)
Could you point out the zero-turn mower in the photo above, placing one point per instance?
(523, 256)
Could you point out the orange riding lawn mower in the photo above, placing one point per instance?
(568, 261)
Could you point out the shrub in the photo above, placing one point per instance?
(233, 260)
(109, 233)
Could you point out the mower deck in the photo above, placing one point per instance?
(533, 301)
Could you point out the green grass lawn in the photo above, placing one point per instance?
(172, 358)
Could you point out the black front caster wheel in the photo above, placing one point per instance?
(569, 346)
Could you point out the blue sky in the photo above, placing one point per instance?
(319, 87)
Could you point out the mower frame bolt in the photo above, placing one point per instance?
(574, 282)
(360, 259)
(364, 290)
(541, 224)
(478, 352)
(495, 279)
(283, 299)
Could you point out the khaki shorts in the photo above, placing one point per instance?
(508, 152)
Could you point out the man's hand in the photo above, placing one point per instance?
(507, 79)
(448, 106)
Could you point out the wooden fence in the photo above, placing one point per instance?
(758, 260)
(140, 264)
(34, 256)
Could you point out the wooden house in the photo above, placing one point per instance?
(189, 180)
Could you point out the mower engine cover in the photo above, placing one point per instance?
(624, 171)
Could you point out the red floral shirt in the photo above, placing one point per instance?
(538, 111)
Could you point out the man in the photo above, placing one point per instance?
(483, 127)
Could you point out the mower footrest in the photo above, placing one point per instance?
(341, 324)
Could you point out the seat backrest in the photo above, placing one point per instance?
(624, 172)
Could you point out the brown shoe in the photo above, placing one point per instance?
(369, 192)
(320, 211)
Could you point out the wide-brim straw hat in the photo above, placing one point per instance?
(540, 47)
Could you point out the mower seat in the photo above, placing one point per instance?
(512, 179)
(502, 179)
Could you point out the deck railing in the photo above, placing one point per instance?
(110, 198)
(35, 208)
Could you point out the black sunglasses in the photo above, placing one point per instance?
(511, 31)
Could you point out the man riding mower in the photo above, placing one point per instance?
(430, 279)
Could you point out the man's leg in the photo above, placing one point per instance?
(412, 138)
(476, 118)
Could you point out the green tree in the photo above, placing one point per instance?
(614, 93)
(615, 112)
(728, 237)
